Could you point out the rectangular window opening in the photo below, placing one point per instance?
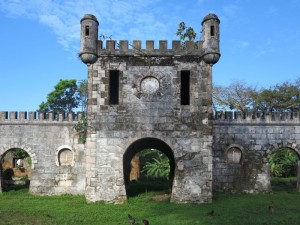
(185, 87)
(113, 87)
(87, 30)
(212, 31)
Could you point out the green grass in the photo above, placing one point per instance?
(19, 207)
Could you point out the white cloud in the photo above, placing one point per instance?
(117, 18)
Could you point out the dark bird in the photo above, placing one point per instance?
(145, 222)
(131, 219)
(271, 207)
(210, 213)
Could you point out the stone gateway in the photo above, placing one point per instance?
(149, 98)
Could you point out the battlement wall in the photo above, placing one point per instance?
(226, 117)
(124, 48)
(33, 117)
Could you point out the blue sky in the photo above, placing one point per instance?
(40, 40)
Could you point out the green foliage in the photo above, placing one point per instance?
(284, 97)
(81, 128)
(158, 168)
(281, 97)
(83, 94)
(18, 207)
(154, 164)
(19, 153)
(64, 98)
(185, 32)
(283, 163)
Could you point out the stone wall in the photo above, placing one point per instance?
(257, 136)
(43, 137)
(140, 116)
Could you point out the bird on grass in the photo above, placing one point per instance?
(145, 222)
(210, 213)
(131, 219)
(271, 207)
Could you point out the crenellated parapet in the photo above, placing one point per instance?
(36, 117)
(208, 50)
(256, 117)
(124, 48)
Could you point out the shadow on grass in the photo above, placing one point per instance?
(287, 184)
(135, 188)
(15, 187)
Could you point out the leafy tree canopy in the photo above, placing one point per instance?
(67, 96)
(185, 33)
(281, 97)
(284, 97)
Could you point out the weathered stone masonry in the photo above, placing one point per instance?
(42, 139)
(142, 98)
(149, 110)
(257, 135)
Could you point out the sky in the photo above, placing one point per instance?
(40, 40)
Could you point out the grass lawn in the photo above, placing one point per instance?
(19, 207)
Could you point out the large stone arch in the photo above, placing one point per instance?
(283, 144)
(146, 143)
(25, 147)
(5, 148)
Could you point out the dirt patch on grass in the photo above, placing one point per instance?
(161, 197)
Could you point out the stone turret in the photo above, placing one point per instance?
(211, 39)
(89, 38)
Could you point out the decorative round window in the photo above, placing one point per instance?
(149, 85)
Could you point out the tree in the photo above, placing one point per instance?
(236, 96)
(83, 94)
(280, 98)
(185, 32)
(65, 97)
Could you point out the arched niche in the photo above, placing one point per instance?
(65, 156)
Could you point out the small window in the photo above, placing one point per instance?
(234, 155)
(87, 30)
(212, 31)
(65, 157)
(113, 87)
(185, 87)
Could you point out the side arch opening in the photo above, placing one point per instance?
(139, 180)
(16, 168)
(284, 165)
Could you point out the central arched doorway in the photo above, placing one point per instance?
(141, 145)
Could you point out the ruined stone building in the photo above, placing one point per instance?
(150, 98)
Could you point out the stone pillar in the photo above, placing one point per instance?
(193, 174)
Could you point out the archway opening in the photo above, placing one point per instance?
(284, 169)
(16, 168)
(148, 166)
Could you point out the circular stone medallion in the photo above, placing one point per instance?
(149, 85)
